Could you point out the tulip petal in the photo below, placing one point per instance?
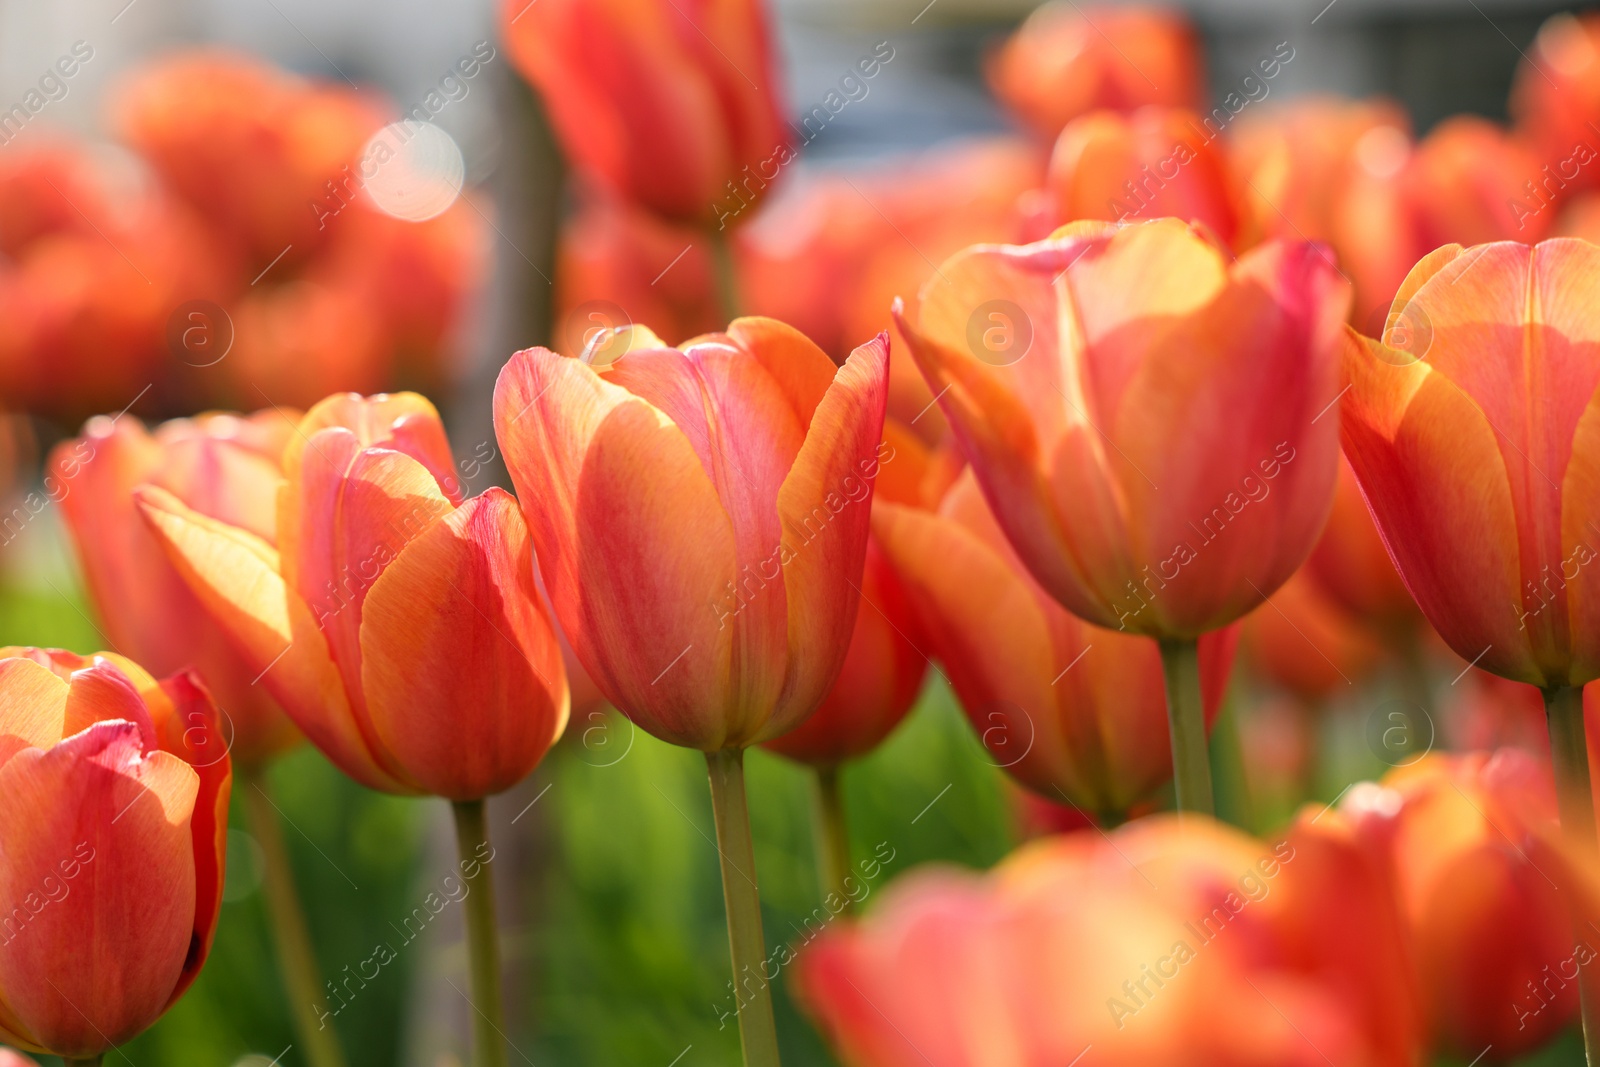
(1429, 467)
(236, 576)
(33, 707)
(97, 839)
(802, 370)
(624, 520)
(407, 422)
(825, 508)
(460, 664)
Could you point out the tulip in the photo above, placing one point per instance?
(671, 105)
(1472, 182)
(1492, 942)
(1149, 423)
(1152, 163)
(1308, 644)
(1351, 566)
(90, 275)
(398, 625)
(229, 469)
(1555, 99)
(1492, 335)
(1066, 61)
(1069, 710)
(1159, 944)
(700, 519)
(115, 788)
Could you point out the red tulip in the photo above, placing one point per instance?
(1451, 442)
(1556, 101)
(1492, 937)
(1151, 423)
(700, 518)
(1067, 60)
(1152, 163)
(115, 788)
(670, 104)
(1161, 944)
(1472, 182)
(223, 466)
(398, 625)
(1070, 710)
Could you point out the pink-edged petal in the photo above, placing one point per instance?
(461, 665)
(825, 508)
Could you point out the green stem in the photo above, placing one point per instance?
(831, 836)
(758, 1034)
(302, 979)
(1235, 802)
(1569, 753)
(483, 946)
(1191, 766)
(725, 273)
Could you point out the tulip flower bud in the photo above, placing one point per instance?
(115, 788)
(1152, 163)
(398, 625)
(1490, 930)
(1070, 710)
(1157, 944)
(1066, 60)
(673, 105)
(1153, 425)
(1471, 414)
(225, 467)
(700, 518)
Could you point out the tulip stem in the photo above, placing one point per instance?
(758, 1033)
(483, 945)
(832, 834)
(725, 273)
(1186, 719)
(302, 979)
(1569, 754)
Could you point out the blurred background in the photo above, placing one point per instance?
(610, 897)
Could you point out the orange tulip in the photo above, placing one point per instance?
(1556, 101)
(1492, 938)
(1152, 163)
(709, 589)
(226, 468)
(1066, 60)
(1190, 946)
(91, 268)
(884, 669)
(1069, 710)
(1471, 418)
(1303, 640)
(1150, 422)
(1472, 182)
(252, 147)
(672, 105)
(115, 788)
(397, 625)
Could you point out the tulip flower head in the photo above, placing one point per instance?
(700, 518)
(671, 104)
(1151, 422)
(115, 788)
(223, 466)
(397, 624)
(1472, 415)
(1072, 711)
